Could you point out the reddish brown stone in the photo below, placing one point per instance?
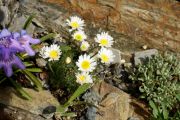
(92, 1)
(152, 22)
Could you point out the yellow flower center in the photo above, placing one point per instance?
(104, 42)
(85, 64)
(83, 47)
(104, 58)
(74, 24)
(53, 54)
(78, 37)
(82, 77)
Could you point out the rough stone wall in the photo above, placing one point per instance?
(153, 22)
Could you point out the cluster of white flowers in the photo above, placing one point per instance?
(51, 53)
(86, 63)
(79, 35)
(105, 41)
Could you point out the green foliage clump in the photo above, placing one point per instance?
(159, 81)
(62, 74)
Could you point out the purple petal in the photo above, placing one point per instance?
(16, 35)
(18, 63)
(25, 38)
(5, 53)
(23, 32)
(8, 70)
(5, 33)
(29, 50)
(16, 45)
(34, 41)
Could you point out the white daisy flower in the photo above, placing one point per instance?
(83, 77)
(104, 39)
(86, 63)
(106, 55)
(75, 23)
(84, 46)
(52, 52)
(79, 35)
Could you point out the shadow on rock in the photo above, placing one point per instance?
(4, 101)
(1, 16)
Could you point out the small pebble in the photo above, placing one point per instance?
(166, 43)
(144, 47)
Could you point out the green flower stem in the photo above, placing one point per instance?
(28, 21)
(50, 67)
(94, 48)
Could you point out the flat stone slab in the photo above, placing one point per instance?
(117, 53)
(143, 55)
(118, 105)
(38, 105)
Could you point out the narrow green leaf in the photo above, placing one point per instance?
(81, 89)
(50, 67)
(20, 90)
(48, 36)
(27, 64)
(28, 21)
(165, 112)
(68, 114)
(34, 69)
(178, 96)
(33, 78)
(61, 109)
(155, 109)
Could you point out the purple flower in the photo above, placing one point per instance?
(8, 44)
(12, 43)
(26, 41)
(8, 63)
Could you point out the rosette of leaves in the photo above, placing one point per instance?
(159, 81)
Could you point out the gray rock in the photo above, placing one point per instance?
(18, 23)
(5, 15)
(8, 9)
(143, 55)
(91, 113)
(41, 62)
(117, 54)
(41, 102)
(92, 97)
(12, 113)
